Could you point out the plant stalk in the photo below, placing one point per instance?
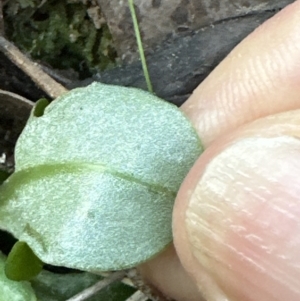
(140, 45)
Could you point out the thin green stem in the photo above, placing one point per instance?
(140, 45)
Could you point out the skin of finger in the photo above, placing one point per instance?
(166, 274)
(217, 106)
(260, 77)
(217, 283)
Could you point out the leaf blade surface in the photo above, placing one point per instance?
(96, 177)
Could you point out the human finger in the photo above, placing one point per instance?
(236, 218)
(260, 77)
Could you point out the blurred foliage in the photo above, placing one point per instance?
(63, 33)
(54, 287)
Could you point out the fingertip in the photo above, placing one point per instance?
(236, 220)
(260, 77)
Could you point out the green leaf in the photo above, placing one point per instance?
(96, 178)
(22, 263)
(60, 287)
(12, 290)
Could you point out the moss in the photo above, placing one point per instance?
(61, 33)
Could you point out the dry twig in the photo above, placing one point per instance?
(87, 293)
(138, 296)
(43, 80)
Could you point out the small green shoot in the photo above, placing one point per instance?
(140, 45)
(40, 107)
(22, 263)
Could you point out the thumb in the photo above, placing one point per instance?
(236, 218)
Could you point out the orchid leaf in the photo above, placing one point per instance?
(97, 172)
(12, 290)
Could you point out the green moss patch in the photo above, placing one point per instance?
(63, 33)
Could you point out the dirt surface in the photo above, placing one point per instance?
(162, 19)
(179, 65)
(176, 66)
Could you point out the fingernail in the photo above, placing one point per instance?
(243, 220)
